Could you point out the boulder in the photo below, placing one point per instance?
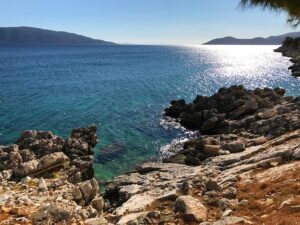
(26, 168)
(88, 189)
(211, 150)
(235, 146)
(54, 159)
(191, 209)
(98, 204)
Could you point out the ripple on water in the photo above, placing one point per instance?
(123, 90)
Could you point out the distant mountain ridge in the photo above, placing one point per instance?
(272, 40)
(38, 36)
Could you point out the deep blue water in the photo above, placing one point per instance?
(123, 90)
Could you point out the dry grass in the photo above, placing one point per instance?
(265, 199)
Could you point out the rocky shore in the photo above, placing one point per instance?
(48, 180)
(243, 169)
(291, 49)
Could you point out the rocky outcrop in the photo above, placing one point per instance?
(245, 133)
(243, 169)
(39, 152)
(48, 180)
(291, 49)
(233, 119)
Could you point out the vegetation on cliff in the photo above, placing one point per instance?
(291, 7)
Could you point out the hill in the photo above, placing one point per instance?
(272, 40)
(37, 36)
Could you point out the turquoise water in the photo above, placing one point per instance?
(123, 90)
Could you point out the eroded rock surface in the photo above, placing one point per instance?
(48, 180)
(247, 134)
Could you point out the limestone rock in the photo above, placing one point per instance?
(96, 221)
(191, 209)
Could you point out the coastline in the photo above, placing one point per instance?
(291, 49)
(252, 143)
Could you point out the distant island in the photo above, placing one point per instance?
(272, 40)
(37, 36)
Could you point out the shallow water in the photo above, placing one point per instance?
(123, 90)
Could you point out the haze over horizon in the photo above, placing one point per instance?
(181, 22)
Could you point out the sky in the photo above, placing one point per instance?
(182, 22)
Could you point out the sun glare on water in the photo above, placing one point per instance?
(250, 65)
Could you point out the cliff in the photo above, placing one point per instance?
(243, 169)
(37, 36)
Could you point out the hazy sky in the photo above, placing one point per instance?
(144, 21)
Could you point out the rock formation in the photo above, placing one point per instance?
(229, 175)
(243, 169)
(291, 49)
(48, 180)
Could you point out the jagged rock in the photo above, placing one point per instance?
(40, 142)
(80, 150)
(26, 168)
(211, 115)
(290, 48)
(27, 155)
(88, 134)
(89, 190)
(191, 209)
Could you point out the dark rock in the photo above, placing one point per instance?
(185, 188)
(235, 146)
(212, 115)
(212, 185)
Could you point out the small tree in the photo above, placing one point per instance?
(291, 7)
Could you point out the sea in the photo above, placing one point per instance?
(123, 89)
